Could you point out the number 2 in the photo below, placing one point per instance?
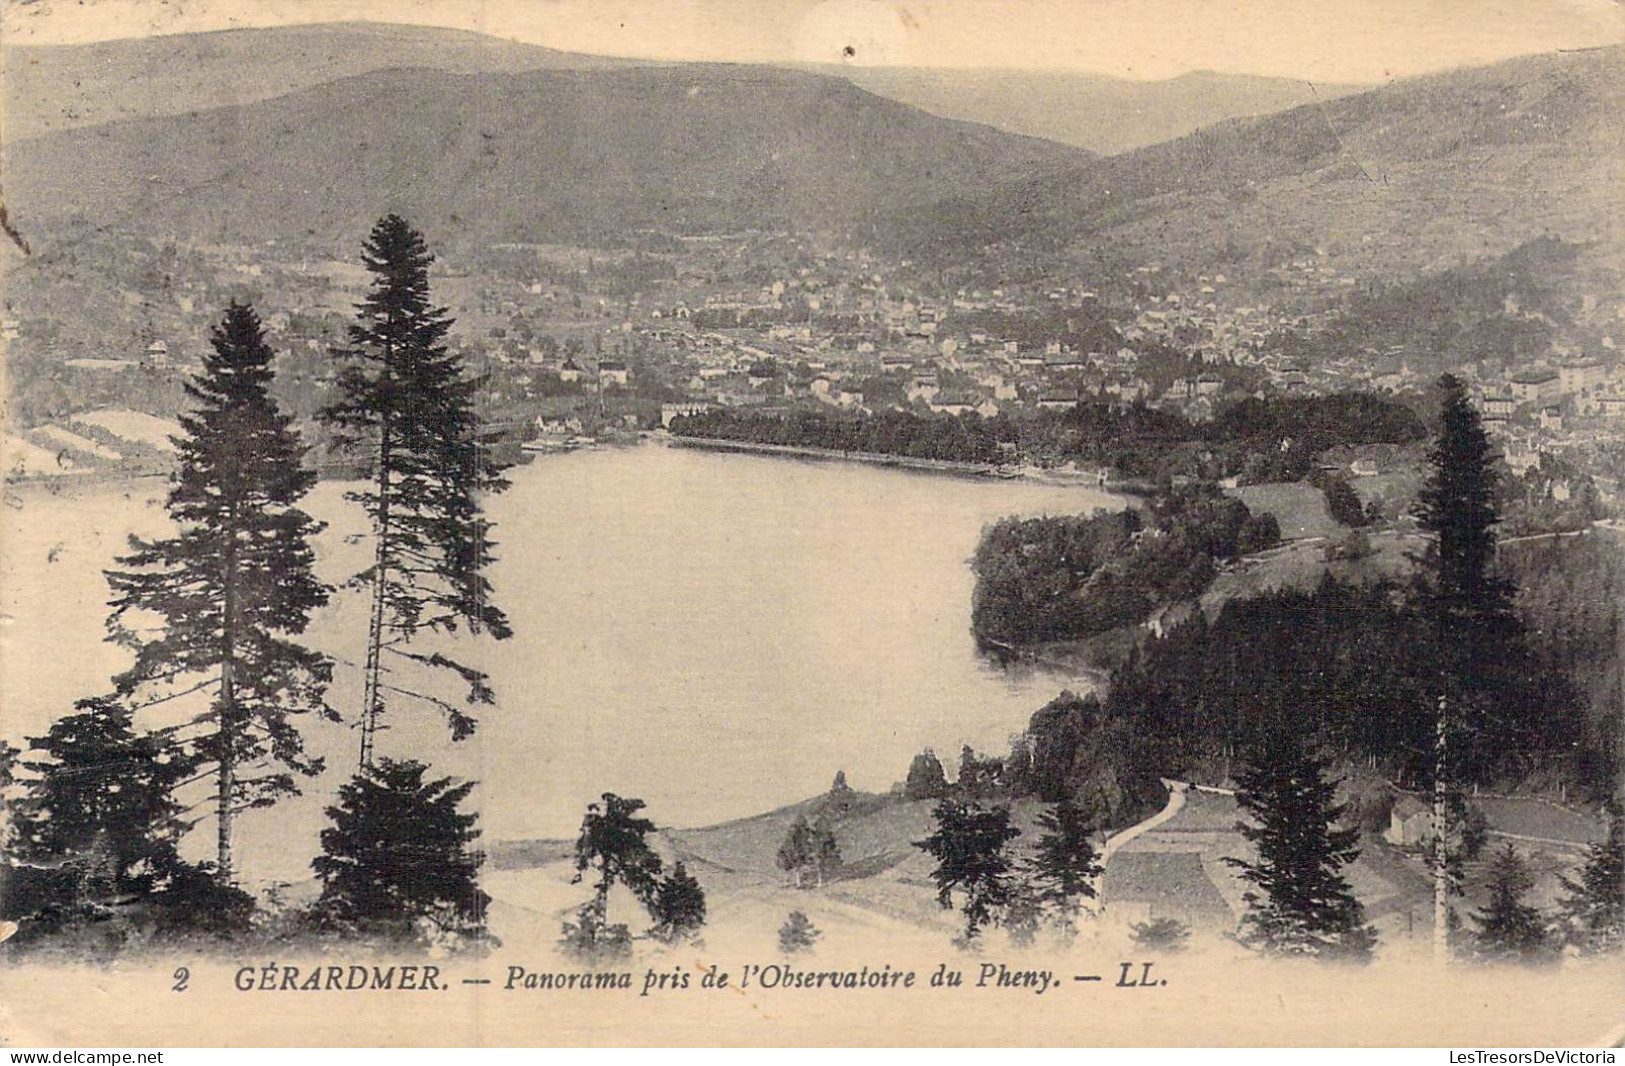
(182, 975)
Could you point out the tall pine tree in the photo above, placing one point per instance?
(1485, 704)
(405, 398)
(1483, 661)
(232, 585)
(1300, 904)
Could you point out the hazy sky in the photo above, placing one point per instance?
(1323, 40)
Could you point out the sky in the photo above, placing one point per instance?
(1317, 40)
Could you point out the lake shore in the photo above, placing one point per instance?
(671, 593)
(952, 467)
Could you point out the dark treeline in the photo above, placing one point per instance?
(1354, 666)
(1462, 314)
(1043, 579)
(891, 433)
(1571, 596)
(1257, 439)
(1278, 438)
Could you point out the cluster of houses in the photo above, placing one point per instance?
(1552, 400)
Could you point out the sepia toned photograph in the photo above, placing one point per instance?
(812, 523)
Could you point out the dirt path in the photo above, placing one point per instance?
(1175, 804)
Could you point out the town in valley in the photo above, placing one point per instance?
(1194, 519)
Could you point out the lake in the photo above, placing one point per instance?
(717, 634)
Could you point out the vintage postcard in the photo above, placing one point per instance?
(812, 523)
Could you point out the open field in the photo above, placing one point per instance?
(1299, 508)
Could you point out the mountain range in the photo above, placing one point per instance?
(533, 155)
(50, 88)
(1103, 114)
(1416, 174)
(318, 130)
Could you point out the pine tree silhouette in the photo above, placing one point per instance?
(233, 585)
(796, 850)
(678, 906)
(1510, 930)
(612, 843)
(400, 856)
(797, 934)
(969, 846)
(405, 397)
(1065, 867)
(1483, 660)
(98, 784)
(1594, 905)
(1302, 904)
(826, 851)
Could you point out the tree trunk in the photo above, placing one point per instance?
(227, 775)
(370, 695)
(228, 706)
(1441, 875)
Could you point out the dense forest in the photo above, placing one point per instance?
(1061, 578)
(1256, 439)
(1571, 595)
(1354, 667)
(1507, 309)
(1512, 653)
(892, 433)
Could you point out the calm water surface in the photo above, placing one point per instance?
(718, 634)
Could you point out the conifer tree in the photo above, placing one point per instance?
(405, 398)
(96, 831)
(1065, 867)
(232, 585)
(809, 846)
(678, 906)
(797, 934)
(1482, 658)
(796, 850)
(970, 848)
(100, 786)
(612, 843)
(1510, 930)
(400, 856)
(1300, 904)
(926, 779)
(826, 851)
(1594, 905)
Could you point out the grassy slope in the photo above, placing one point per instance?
(57, 87)
(885, 895)
(530, 155)
(1409, 176)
